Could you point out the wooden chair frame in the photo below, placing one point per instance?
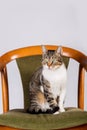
(36, 50)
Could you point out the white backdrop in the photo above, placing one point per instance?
(33, 22)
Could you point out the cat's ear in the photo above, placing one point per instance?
(59, 50)
(44, 50)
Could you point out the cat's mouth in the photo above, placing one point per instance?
(52, 67)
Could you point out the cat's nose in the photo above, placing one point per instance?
(49, 64)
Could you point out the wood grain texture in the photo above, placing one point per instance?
(34, 50)
(5, 95)
(81, 79)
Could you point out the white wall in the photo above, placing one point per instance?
(32, 22)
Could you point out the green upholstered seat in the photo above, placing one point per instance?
(20, 119)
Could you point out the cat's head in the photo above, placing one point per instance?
(52, 59)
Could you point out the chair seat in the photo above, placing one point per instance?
(20, 119)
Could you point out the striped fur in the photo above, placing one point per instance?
(47, 87)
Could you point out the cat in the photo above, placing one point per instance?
(47, 87)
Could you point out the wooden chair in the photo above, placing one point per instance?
(32, 51)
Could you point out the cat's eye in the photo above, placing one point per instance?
(60, 59)
(45, 57)
(46, 60)
(52, 57)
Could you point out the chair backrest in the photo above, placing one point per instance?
(36, 50)
(27, 66)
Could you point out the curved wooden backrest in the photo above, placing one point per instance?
(36, 50)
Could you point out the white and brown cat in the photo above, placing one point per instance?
(47, 87)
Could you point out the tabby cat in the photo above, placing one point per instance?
(47, 87)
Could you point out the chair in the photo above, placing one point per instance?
(18, 119)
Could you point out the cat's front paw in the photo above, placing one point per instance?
(57, 112)
(61, 110)
(49, 111)
(55, 109)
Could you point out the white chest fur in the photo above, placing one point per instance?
(57, 79)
